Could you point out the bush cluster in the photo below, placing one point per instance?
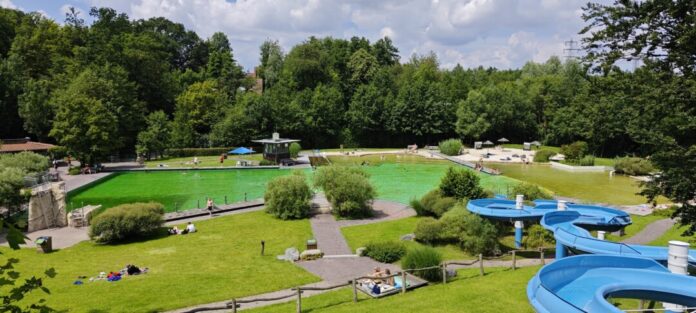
(538, 237)
(385, 251)
(474, 234)
(422, 257)
(543, 155)
(29, 162)
(348, 190)
(127, 221)
(433, 203)
(265, 162)
(288, 197)
(588, 160)
(574, 151)
(530, 191)
(191, 152)
(450, 146)
(461, 183)
(633, 166)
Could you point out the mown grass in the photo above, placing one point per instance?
(219, 262)
(500, 290)
(674, 233)
(205, 161)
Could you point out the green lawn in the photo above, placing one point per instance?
(219, 262)
(674, 233)
(590, 187)
(205, 161)
(639, 222)
(176, 190)
(500, 290)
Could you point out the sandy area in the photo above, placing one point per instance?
(497, 154)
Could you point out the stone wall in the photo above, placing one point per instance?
(47, 207)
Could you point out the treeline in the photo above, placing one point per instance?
(121, 85)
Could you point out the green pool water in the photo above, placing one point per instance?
(591, 187)
(189, 189)
(176, 189)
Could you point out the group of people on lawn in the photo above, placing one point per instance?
(190, 228)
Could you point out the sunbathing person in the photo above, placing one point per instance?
(388, 279)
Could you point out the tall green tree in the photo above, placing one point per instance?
(156, 137)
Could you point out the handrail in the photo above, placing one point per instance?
(322, 288)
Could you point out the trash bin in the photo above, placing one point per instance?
(311, 244)
(44, 244)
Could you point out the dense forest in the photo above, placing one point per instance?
(119, 85)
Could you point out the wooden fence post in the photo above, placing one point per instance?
(403, 281)
(481, 263)
(234, 305)
(355, 291)
(543, 262)
(514, 260)
(444, 273)
(299, 300)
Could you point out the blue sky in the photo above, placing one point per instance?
(500, 33)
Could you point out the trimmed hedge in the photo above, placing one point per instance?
(127, 221)
(450, 146)
(385, 251)
(191, 152)
(543, 155)
(348, 189)
(295, 149)
(421, 257)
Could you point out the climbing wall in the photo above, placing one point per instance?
(47, 207)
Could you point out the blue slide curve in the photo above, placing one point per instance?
(582, 283)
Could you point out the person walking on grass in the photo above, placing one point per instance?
(209, 206)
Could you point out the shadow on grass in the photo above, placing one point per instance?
(160, 233)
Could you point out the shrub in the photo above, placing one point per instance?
(587, 160)
(434, 204)
(574, 151)
(127, 221)
(461, 184)
(288, 197)
(28, 162)
(348, 190)
(453, 223)
(385, 251)
(74, 171)
(538, 237)
(530, 191)
(450, 146)
(478, 235)
(191, 152)
(633, 166)
(265, 162)
(543, 155)
(418, 207)
(421, 257)
(428, 230)
(295, 149)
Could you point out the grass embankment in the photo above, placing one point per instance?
(177, 190)
(638, 223)
(674, 233)
(219, 262)
(204, 161)
(500, 290)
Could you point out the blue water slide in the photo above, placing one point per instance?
(583, 283)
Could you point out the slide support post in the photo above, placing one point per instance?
(677, 263)
(560, 251)
(519, 225)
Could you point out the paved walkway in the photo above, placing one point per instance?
(651, 232)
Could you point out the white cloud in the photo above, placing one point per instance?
(501, 33)
(7, 4)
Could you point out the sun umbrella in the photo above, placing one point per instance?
(488, 142)
(241, 150)
(536, 143)
(503, 140)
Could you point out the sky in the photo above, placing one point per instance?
(499, 33)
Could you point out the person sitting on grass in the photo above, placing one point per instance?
(388, 279)
(174, 230)
(190, 228)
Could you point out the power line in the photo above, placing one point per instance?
(571, 51)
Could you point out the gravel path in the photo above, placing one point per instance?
(651, 232)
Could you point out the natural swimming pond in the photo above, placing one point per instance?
(186, 189)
